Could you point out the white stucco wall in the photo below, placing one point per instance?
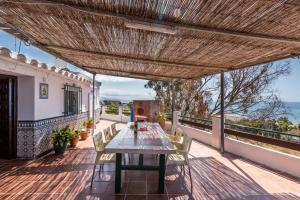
(54, 105)
(30, 106)
(117, 118)
(25, 98)
(283, 162)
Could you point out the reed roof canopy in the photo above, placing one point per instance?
(158, 39)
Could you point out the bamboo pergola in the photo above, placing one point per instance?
(158, 39)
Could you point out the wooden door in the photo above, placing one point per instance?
(8, 116)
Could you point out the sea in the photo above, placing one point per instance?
(293, 111)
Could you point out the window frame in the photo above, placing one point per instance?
(69, 107)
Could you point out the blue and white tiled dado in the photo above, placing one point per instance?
(33, 137)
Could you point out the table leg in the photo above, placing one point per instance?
(118, 173)
(162, 168)
(141, 159)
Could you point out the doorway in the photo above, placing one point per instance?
(8, 116)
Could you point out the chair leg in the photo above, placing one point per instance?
(190, 174)
(183, 167)
(129, 159)
(124, 159)
(100, 169)
(93, 175)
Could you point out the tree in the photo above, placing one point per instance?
(248, 92)
(284, 124)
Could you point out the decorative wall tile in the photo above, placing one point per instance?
(33, 137)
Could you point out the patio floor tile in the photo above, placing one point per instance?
(215, 177)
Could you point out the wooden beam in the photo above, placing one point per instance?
(136, 59)
(135, 73)
(272, 58)
(128, 75)
(187, 27)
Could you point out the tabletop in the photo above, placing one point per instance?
(151, 141)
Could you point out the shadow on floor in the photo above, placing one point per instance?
(69, 177)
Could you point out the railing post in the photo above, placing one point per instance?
(216, 131)
(175, 117)
(121, 113)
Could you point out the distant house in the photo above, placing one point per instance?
(34, 100)
(294, 131)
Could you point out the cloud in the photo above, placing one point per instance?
(113, 92)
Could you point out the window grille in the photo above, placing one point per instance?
(72, 100)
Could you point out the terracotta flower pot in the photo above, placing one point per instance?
(84, 135)
(74, 141)
(161, 122)
(89, 125)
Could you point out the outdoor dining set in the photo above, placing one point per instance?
(141, 138)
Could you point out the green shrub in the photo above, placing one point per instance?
(61, 136)
(112, 109)
(126, 111)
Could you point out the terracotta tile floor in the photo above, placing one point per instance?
(214, 177)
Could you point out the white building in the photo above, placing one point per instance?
(34, 99)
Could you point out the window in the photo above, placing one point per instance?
(73, 100)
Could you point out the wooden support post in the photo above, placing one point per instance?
(93, 106)
(173, 99)
(222, 113)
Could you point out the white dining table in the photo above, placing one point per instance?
(153, 140)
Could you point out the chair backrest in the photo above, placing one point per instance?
(107, 134)
(179, 132)
(113, 129)
(187, 142)
(98, 142)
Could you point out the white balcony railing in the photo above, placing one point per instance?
(276, 160)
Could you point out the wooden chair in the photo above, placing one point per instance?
(107, 135)
(181, 157)
(101, 157)
(114, 130)
(176, 139)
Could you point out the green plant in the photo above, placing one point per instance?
(161, 115)
(112, 109)
(126, 111)
(74, 133)
(88, 122)
(61, 136)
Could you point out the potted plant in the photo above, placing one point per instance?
(89, 123)
(60, 138)
(74, 137)
(84, 134)
(161, 119)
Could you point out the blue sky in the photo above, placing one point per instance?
(128, 89)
